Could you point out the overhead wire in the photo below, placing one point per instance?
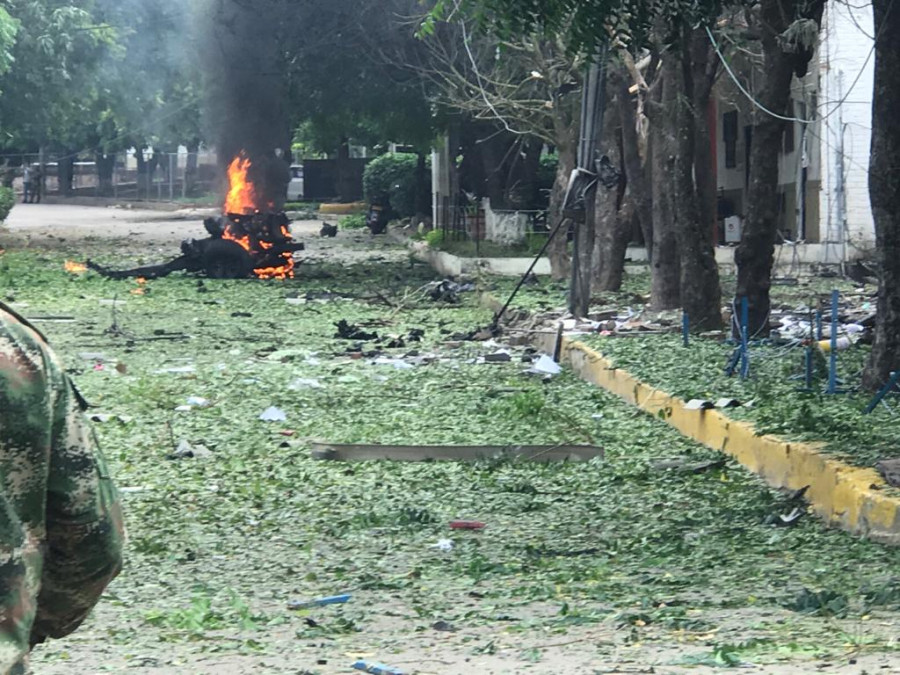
(749, 96)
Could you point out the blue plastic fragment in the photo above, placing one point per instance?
(319, 602)
(376, 668)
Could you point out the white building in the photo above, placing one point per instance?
(823, 168)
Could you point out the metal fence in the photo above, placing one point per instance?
(463, 220)
(152, 177)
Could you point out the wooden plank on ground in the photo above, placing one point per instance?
(454, 453)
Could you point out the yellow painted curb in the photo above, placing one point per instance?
(342, 209)
(846, 496)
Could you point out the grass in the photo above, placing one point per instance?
(778, 405)
(218, 545)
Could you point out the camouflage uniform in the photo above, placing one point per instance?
(60, 521)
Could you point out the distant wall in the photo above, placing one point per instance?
(320, 179)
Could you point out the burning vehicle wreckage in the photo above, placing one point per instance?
(245, 241)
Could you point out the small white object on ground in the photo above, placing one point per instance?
(273, 414)
(545, 366)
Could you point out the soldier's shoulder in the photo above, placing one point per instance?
(19, 340)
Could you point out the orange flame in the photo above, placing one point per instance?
(73, 267)
(243, 199)
(241, 196)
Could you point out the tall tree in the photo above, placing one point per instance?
(527, 84)
(884, 192)
(50, 91)
(788, 33)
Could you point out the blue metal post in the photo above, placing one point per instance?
(685, 328)
(891, 383)
(832, 360)
(809, 367)
(818, 324)
(745, 337)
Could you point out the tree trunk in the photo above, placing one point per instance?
(613, 214)
(884, 194)
(105, 165)
(701, 294)
(754, 256)
(525, 183)
(640, 194)
(665, 267)
(704, 68)
(558, 251)
(66, 174)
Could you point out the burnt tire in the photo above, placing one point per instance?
(224, 259)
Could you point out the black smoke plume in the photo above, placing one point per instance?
(246, 93)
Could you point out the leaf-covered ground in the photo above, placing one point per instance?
(780, 403)
(610, 566)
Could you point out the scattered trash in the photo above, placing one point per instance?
(320, 602)
(787, 520)
(177, 370)
(185, 451)
(92, 356)
(698, 404)
(399, 364)
(448, 291)
(545, 366)
(183, 408)
(443, 626)
(684, 466)
(295, 301)
(466, 525)
(443, 545)
(273, 414)
(841, 344)
(501, 356)
(305, 383)
(103, 418)
(376, 668)
(199, 401)
(727, 403)
(352, 452)
(349, 331)
(890, 469)
(328, 230)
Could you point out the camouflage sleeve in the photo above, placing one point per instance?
(83, 519)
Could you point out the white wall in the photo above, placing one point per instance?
(844, 62)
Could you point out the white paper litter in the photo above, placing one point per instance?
(273, 414)
(399, 364)
(305, 383)
(545, 366)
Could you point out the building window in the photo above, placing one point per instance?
(788, 144)
(729, 135)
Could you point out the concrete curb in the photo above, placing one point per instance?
(340, 209)
(844, 496)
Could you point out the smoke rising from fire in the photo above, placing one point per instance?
(245, 108)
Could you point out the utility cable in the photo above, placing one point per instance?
(787, 118)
